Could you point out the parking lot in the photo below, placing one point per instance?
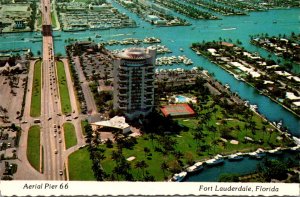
(8, 151)
(11, 96)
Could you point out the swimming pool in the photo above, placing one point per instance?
(181, 99)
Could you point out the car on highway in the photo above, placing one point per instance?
(54, 134)
(49, 118)
(60, 172)
(76, 117)
(59, 140)
(55, 151)
(37, 121)
(24, 122)
(54, 125)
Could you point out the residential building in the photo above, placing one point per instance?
(134, 81)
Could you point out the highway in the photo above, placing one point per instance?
(51, 134)
(53, 156)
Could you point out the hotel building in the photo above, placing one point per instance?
(134, 81)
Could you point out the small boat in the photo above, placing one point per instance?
(296, 148)
(275, 151)
(229, 29)
(179, 177)
(217, 160)
(235, 157)
(258, 154)
(195, 168)
(181, 49)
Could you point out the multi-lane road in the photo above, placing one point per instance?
(54, 156)
(51, 135)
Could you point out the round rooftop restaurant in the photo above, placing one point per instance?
(134, 54)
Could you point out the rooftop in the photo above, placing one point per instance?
(134, 54)
(115, 122)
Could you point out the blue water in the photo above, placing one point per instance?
(182, 37)
(181, 99)
(212, 174)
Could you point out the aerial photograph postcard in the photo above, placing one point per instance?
(150, 91)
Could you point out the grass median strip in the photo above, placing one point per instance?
(53, 19)
(33, 146)
(63, 88)
(80, 166)
(35, 107)
(70, 135)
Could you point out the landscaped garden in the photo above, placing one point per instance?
(63, 88)
(35, 107)
(33, 146)
(168, 145)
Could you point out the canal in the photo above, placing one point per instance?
(231, 27)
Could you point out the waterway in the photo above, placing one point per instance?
(212, 174)
(231, 27)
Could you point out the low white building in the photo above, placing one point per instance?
(117, 122)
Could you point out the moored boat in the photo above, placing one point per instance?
(235, 157)
(296, 148)
(275, 151)
(258, 154)
(179, 177)
(217, 160)
(195, 168)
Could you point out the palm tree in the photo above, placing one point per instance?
(143, 166)
(146, 151)
(198, 135)
(138, 166)
(115, 155)
(164, 167)
(152, 137)
(252, 125)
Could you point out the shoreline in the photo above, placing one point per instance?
(261, 92)
(247, 154)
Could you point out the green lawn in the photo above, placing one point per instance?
(193, 150)
(80, 166)
(70, 135)
(63, 88)
(35, 108)
(33, 146)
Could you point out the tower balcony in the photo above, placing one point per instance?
(123, 101)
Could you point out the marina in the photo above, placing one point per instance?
(256, 21)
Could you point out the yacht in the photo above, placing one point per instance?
(258, 154)
(235, 157)
(195, 168)
(179, 177)
(217, 160)
(275, 151)
(296, 148)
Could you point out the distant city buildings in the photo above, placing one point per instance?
(134, 81)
